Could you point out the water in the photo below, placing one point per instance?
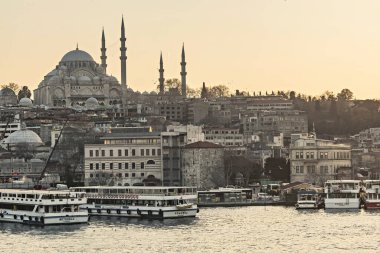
(240, 229)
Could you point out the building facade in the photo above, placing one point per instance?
(224, 136)
(124, 159)
(315, 161)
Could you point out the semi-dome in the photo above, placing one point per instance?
(84, 80)
(54, 80)
(24, 136)
(77, 55)
(26, 102)
(91, 103)
(7, 92)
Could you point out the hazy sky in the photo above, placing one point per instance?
(303, 45)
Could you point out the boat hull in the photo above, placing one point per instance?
(140, 211)
(342, 203)
(41, 219)
(372, 204)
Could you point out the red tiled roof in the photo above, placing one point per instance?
(203, 144)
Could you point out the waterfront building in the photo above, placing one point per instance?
(124, 158)
(203, 165)
(314, 160)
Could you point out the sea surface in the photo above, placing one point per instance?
(238, 229)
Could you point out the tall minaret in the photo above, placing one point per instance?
(123, 57)
(103, 57)
(183, 72)
(161, 79)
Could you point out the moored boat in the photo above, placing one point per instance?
(225, 197)
(372, 199)
(140, 201)
(343, 194)
(309, 200)
(37, 207)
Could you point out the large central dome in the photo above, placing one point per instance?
(77, 55)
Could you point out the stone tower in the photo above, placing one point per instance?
(123, 56)
(161, 79)
(103, 57)
(183, 71)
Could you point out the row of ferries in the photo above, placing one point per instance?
(54, 207)
(342, 194)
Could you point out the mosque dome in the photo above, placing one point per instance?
(153, 93)
(96, 79)
(91, 103)
(54, 72)
(54, 80)
(7, 92)
(145, 93)
(113, 79)
(25, 102)
(77, 55)
(84, 80)
(24, 136)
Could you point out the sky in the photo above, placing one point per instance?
(309, 46)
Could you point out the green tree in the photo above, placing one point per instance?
(345, 95)
(24, 92)
(218, 91)
(13, 86)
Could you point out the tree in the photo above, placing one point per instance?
(13, 86)
(193, 92)
(218, 91)
(345, 95)
(277, 169)
(172, 84)
(24, 93)
(292, 95)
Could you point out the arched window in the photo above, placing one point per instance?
(150, 162)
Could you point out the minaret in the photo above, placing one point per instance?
(103, 57)
(161, 79)
(204, 91)
(123, 57)
(183, 72)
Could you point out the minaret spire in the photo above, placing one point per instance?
(183, 71)
(161, 79)
(103, 57)
(123, 57)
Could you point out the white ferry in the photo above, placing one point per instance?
(37, 207)
(225, 197)
(372, 200)
(343, 194)
(140, 201)
(308, 200)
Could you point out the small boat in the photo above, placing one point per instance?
(152, 202)
(372, 196)
(309, 200)
(37, 207)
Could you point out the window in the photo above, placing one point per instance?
(133, 166)
(119, 152)
(91, 175)
(126, 166)
(111, 166)
(153, 152)
(96, 153)
(97, 166)
(301, 169)
(158, 151)
(133, 152)
(297, 169)
(301, 155)
(147, 151)
(297, 155)
(120, 166)
(103, 153)
(91, 153)
(312, 155)
(91, 166)
(307, 155)
(142, 152)
(142, 165)
(133, 174)
(103, 166)
(142, 174)
(126, 175)
(111, 152)
(120, 175)
(150, 161)
(125, 152)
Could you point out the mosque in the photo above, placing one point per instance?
(78, 80)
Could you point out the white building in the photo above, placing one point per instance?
(193, 133)
(124, 159)
(315, 161)
(224, 136)
(369, 138)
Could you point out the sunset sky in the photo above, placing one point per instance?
(304, 45)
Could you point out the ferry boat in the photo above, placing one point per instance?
(37, 207)
(140, 201)
(372, 200)
(225, 197)
(309, 200)
(343, 194)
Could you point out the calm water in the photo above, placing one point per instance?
(244, 229)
